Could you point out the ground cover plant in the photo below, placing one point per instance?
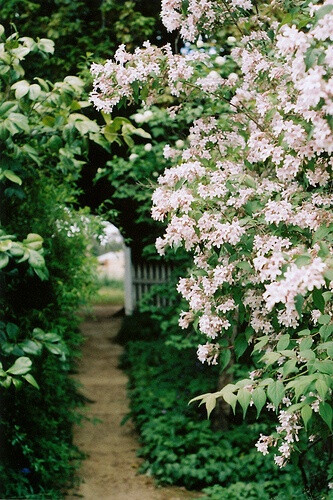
(180, 446)
(249, 198)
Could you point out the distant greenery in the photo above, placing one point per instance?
(80, 28)
(109, 295)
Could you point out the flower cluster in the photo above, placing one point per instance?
(249, 196)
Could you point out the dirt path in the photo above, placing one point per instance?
(110, 472)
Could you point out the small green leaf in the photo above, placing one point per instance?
(33, 241)
(241, 345)
(5, 245)
(228, 396)
(326, 413)
(303, 260)
(31, 380)
(299, 301)
(323, 11)
(46, 45)
(244, 398)
(305, 344)
(321, 388)
(306, 413)
(34, 91)
(304, 332)
(36, 259)
(318, 300)
(259, 399)
(325, 366)
(290, 367)
(324, 319)
(259, 345)
(275, 392)
(283, 342)
(21, 366)
(325, 331)
(4, 259)
(21, 88)
(224, 358)
(210, 402)
(329, 274)
(9, 174)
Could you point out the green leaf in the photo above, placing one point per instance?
(141, 133)
(270, 357)
(31, 380)
(306, 413)
(228, 396)
(4, 259)
(54, 349)
(241, 345)
(224, 358)
(283, 342)
(290, 367)
(34, 91)
(31, 347)
(305, 344)
(259, 345)
(36, 259)
(197, 398)
(324, 319)
(129, 141)
(307, 354)
(46, 45)
(325, 331)
(85, 126)
(210, 402)
(21, 88)
(299, 301)
(301, 384)
(244, 398)
(321, 388)
(33, 241)
(259, 399)
(324, 249)
(325, 366)
(275, 392)
(329, 274)
(12, 331)
(323, 11)
(322, 232)
(326, 413)
(303, 260)
(5, 245)
(21, 366)
(9, 174)
(304, 332)
(318, 299)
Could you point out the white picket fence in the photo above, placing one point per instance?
(140, 277)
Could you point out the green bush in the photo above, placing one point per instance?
(44, 138)
(181, 447)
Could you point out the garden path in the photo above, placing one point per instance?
(110, 471)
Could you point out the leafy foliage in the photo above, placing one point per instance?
(180, 446)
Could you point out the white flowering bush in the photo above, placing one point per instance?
(250, 198)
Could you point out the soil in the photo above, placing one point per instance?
(111, 470)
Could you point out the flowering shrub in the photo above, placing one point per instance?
(249, 197)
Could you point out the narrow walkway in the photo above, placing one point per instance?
(110, 472)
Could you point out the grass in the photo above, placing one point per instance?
(109, 295)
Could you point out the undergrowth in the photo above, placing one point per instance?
(181, 447)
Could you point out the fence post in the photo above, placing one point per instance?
(129, 303)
